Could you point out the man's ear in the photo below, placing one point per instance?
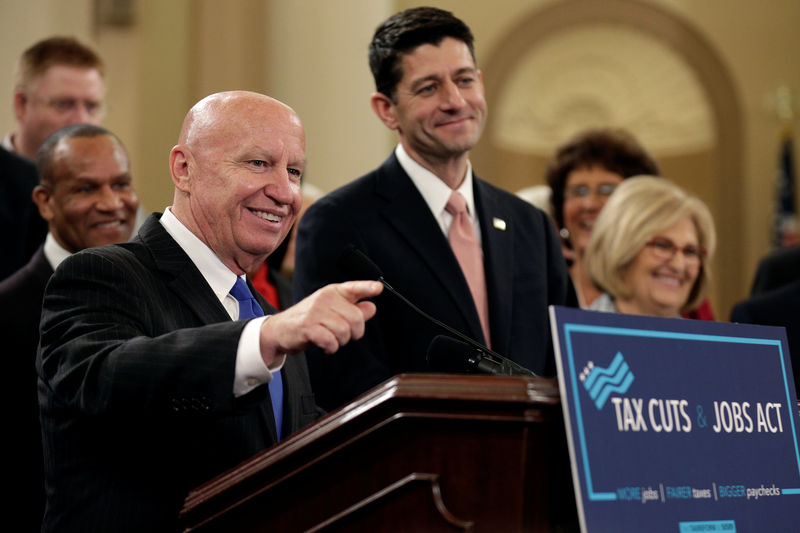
(20, 101)
(41, 197)
(385, 109)
(179, 166)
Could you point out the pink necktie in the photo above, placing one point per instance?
(465, 246)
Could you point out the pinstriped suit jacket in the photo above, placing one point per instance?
(136, 371)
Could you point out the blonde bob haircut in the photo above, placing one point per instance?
(639, 209)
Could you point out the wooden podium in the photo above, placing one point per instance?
(421, 452)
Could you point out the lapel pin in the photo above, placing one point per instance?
(499, 223)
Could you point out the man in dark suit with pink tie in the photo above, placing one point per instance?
(404, 215)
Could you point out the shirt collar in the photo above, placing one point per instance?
(54, 252)
(434, 190)
(219, 277)
(7, 143)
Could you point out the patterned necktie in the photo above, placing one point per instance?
(470, 256)
(249, 308)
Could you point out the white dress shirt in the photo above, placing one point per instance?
(436, 192)
(7, 143)
(53, 251)
(251, 371)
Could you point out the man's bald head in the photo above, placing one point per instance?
(220, 109)
(237, 170)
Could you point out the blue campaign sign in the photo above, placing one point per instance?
(678, 425)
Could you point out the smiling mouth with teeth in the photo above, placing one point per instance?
(110, 224)
(669, 280)
(267, 216)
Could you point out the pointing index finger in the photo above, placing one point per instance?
(358, 290)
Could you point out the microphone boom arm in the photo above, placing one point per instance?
(511, 366)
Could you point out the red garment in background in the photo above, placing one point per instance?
(703, 312)
(262, 284)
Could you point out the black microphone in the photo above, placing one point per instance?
(354, 264)
(447, 354)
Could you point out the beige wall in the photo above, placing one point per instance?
(312, 55)
(317, 53)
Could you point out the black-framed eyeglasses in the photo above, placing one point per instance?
(663, 248)
(603, 190)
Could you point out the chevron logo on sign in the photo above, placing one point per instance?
(601, 382)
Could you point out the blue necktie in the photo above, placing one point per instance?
(249, 308)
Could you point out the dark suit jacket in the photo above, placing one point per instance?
(23, 228)
(21, 297)
(384, 215)
(776, 270)
(778, 307)
(136, 371)
(20, 309)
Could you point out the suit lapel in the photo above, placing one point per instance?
(181, 275)
(39, 267)
(497, 233)
(407, 212)
(189, 285)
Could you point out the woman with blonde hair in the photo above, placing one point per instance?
(650, 249)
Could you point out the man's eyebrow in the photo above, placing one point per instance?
(83, 179)
(422, 81)
(435, 77)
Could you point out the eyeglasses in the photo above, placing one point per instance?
(603, 190)
(65, 106)
(665, 250)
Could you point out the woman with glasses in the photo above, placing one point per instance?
(582, 175)
(650, 249)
